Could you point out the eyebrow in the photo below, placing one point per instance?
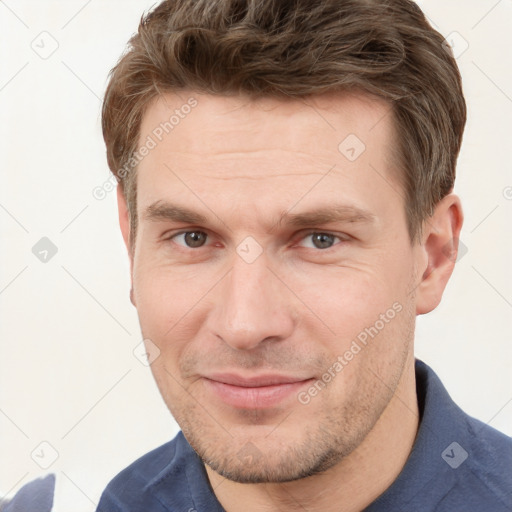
(328, 214)
(161, 210)
(164, 211)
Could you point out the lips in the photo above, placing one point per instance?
(257, 392)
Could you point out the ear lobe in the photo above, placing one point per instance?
(440, 246)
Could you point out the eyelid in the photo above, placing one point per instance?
(297, 238)
(170, 237)
(339, 236)
(179, 231)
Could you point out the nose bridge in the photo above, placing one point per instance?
(251, 308)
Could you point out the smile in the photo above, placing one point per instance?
(253, 393)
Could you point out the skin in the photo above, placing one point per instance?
(298, 306)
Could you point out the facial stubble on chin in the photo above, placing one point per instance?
(250, 457)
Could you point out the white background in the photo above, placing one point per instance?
(68, 375)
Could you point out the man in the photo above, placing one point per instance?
(286, 173)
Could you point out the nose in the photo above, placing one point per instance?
(252, 306)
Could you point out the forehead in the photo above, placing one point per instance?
(333, 114)
(266, 151)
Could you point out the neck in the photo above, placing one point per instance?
(353, 483)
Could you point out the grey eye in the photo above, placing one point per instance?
(319, 240)
(322, 240)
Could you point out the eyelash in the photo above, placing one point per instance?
(328, 233)
(305, 235)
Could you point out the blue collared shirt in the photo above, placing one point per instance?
(458, 464)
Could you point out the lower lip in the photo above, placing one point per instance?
(256, 397)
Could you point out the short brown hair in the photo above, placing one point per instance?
(294, 49)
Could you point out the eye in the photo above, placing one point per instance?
(321, 240)
(190, 239)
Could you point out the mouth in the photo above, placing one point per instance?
(258, 392)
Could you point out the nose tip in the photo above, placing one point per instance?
(240, 338)
(251, 307)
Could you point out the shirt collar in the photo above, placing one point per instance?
(427, 472)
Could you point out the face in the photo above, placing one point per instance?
(273, 270)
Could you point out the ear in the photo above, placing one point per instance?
(124, 224)
(439, 248)
(124, 217)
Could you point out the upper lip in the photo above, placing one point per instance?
(254, 381)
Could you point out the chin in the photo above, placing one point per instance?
(265, 462)
(273, 472)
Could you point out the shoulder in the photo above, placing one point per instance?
(489, 458)
(478, 457)
(36, 495)
(129, 490)
(490, 440)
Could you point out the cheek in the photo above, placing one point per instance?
(172, 305)
(349, 299)
(164, 294)
(160, 302)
